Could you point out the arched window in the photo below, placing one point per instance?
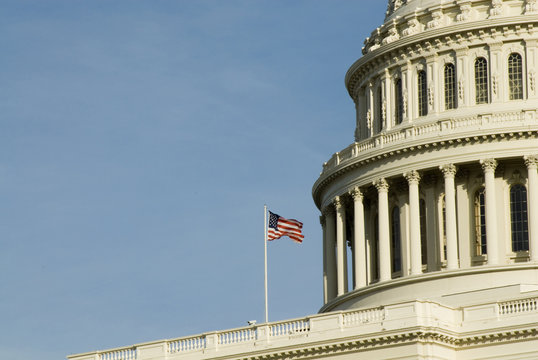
(379, 121)
(518, 218)
(515, 76)
(480, 221)
(481, 80)
(423, 234)
(422, 93)
(450, 86)
(396, 240)
(398, 110)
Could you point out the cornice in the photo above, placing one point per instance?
(410, 336)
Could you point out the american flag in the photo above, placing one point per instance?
(278, 227)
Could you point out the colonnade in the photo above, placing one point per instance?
(334, 227)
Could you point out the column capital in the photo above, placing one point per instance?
(531, 161)
(488, 164)
(448, 170)
(356, 193)
(322, 220)
(412, 177)
(381, 185)
(338, 203)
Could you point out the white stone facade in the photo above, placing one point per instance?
(436, 201)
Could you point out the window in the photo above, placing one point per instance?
(398, 110)
(450, 86)
(518, 218)
(480, 222)
(481, 80)
(423, 229)
(422, 94)
(379, 109)
(396, 240)
(515, 77)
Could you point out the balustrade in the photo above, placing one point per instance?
(187, 344)
(122, 354)
(463, 126)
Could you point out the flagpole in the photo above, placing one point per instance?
(265, 248)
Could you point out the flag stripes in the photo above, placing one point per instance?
(279, 226)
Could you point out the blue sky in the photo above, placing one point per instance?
(139, 141)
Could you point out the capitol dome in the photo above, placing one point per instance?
(438, 195)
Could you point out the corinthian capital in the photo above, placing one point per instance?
(531, 161)
(449, 170)
(412, 177)
(338, 203)
(488, 164)
(356, 193)
(381, 185)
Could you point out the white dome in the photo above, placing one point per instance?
(446, 137)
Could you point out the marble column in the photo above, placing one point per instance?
(359, 245)
(413, 178)
(489, 165)
(532, 200)
(330, 255)
(384, 234)
(340, 245)
(449, 172)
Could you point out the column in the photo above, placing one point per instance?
(407, 79)
(464, 219)
(489, 165)
(330, 256)
(370, 110)
(384, 238)
(449, 171)
(530, 64)
(388, 101)
(359, 246)
(434, 85)
(340, 245)
(413, 179)
(463, 71)
(532, 162)
(497, 68)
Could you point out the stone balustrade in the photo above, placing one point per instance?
(390, 321)
(463, 128)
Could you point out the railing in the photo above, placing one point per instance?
(316, 327)
(237, 336)
(518, 307)
(289, 328)
(418, 131)
(187, 344)
(363, 316)
(122, 354)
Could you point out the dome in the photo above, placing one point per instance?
(438, 194)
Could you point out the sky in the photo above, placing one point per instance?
(139, 142)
